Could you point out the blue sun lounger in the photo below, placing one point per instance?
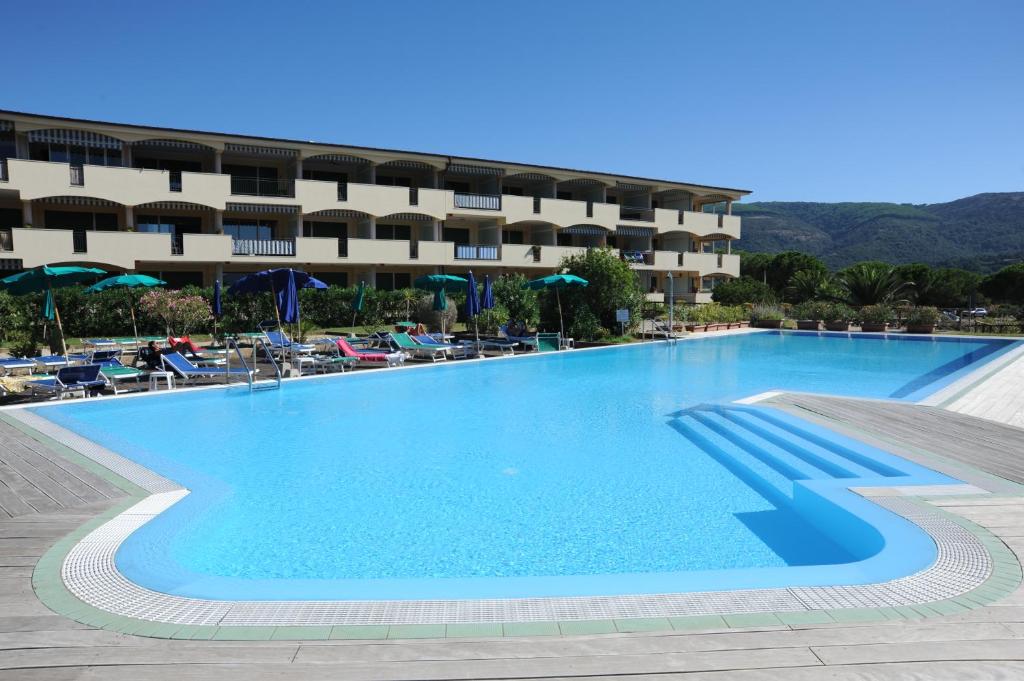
(84, 379)
(176, 363)
(50, 362)
(11, 364)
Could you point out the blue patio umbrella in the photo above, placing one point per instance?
(472, 303)
(288, 300)
(276, 280)
(218, 306)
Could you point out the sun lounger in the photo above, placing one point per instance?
(68, 381)
(50, 362)
(465, 350)
(176, 363)
(371, 356)
(405, 343)
(9, 365)
(528, 341)
(116, 374)
(104, 343)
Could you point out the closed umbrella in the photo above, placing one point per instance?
(557, 282)
(276, 280)
(473, 303)
(358, 303)
(218, 304)
(45, 279)
(127, 281)
(288, 300)
(488, 298)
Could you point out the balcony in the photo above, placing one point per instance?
(478, 201)
(477, 252)
(282, 247)
(254, 186)
(636, 214)
(638, 257)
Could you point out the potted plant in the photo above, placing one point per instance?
(837, 317)
(922, 319)
(810, 314)
(874, 317)
(767, 316)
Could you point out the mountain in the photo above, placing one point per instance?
(983, 232)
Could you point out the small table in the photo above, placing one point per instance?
(155, 376)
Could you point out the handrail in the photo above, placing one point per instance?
(270, 356)
(232, 344)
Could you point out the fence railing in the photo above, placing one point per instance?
(478, 201)
(254, 186)
(263, 247)
(631, 213)
(477, 252)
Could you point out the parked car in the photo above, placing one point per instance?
(978, 312)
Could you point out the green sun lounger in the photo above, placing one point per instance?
(405, 343)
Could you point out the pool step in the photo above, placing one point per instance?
(857, 462)
(768, 481)
(822, 459)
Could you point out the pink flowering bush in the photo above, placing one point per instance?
(179, 311)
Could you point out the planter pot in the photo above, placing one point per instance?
(768, 324)
(808, 324)
(870, 326)
(920, 328)
(837, 326)
(691, 327)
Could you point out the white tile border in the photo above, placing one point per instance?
(89, 571)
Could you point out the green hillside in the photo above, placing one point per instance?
(982, 232)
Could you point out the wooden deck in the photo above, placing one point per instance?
(56, 496)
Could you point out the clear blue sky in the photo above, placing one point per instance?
(892, 100)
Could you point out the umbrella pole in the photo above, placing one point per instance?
(135, 326)
(60, 327)
(273, 298)
(561, 323)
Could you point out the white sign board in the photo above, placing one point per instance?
(622, 316)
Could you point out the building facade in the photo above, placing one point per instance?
(191, 207)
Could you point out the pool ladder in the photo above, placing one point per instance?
(257, 344)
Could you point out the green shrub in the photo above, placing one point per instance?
(585, 326)
(743, 290)
(613, 285)
(766, 312)
(520, 304)
(875, 314)
(922, 316)
(838, 312)
(489, 321)
(813, 310)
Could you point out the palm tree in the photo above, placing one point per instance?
(810, 285)
(872, 283)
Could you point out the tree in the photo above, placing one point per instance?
(741, 291)
(1006, 285)
(613, 286)
(872, 283)
(812, 284)
(180, 311)
(519, 303)
(777, 270)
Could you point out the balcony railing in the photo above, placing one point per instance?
(414, 196)
(254, 186)
(77, 177)
(478, 201)
(343, 191)
(6, 240)
(177, 243)
(476, 252)
(634, 213)
(638, 257)
(3, 169)
(263, 247)
(342, 246)
(175, 180)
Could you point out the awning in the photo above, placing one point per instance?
(629, 186)
(584, 230)
(333, 213)
(340, 158)
(409, 217)
(76, 137)
(253, 150)
(531, 177)
(172, 144)
(411, 165)
(261, 208)
(76, 201)
(463, 169)
(171, 205)
(622, 230)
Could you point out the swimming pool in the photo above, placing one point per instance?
(603, 472)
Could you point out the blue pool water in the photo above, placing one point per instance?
(604, 471)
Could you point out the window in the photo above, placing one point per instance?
(456, 186)
(565, 196)
(511, 236)
(392, 281)
(74, 154)
(174, 165)
(326, 230)
(8, 149)
(168, 224)
(258, 172)
(395, 181)
(512, 191)
(456, 234)
(397, 232)
(324, 175)
(612, 241)
(611, 199)
(80, 220)
(333, 278)
(563, 239)
(259, 230)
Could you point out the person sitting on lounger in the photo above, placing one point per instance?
(151, 356)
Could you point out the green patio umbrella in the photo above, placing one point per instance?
(358, 303)
(127, 281)
(557, 282)
(439, 285)
(43, 280)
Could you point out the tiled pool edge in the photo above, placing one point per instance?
(770, 606)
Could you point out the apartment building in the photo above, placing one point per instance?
(191, 207)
